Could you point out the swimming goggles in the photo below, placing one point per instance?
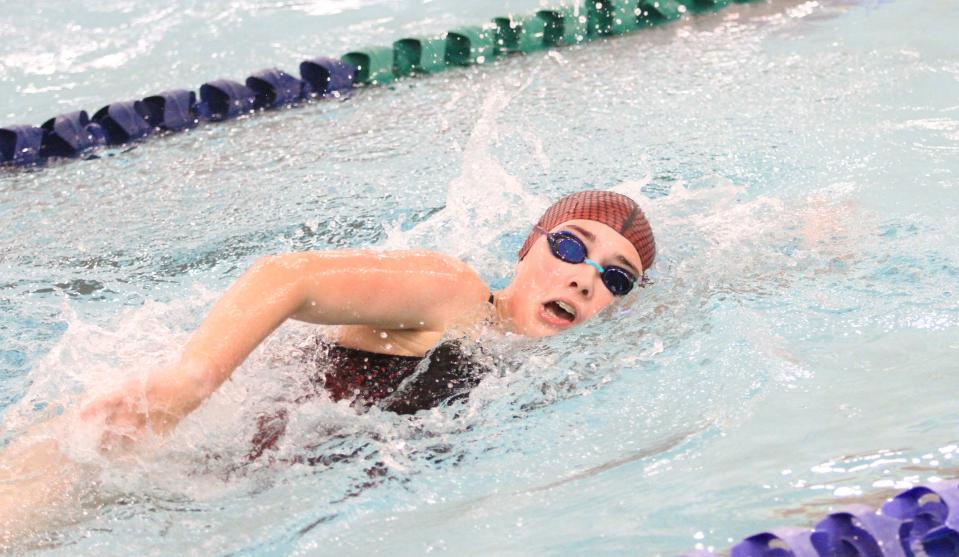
(567, 247)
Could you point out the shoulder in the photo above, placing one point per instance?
(435, 260)
(429, 273)
(413, 259)
(451, 289)
(448, 270)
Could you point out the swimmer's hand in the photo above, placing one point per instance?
(151, 405)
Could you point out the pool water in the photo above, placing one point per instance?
(797, 350)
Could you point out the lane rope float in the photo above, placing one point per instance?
(72, 134)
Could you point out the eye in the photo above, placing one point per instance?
(568, 247)
(569, 250)
(618, 281)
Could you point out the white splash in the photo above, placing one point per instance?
(484, 201)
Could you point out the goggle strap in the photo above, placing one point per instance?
(595, 264)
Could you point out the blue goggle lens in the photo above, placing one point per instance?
(569, 249)
(618, 281)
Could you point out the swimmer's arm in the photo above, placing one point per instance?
(393, 290)
(414, 290)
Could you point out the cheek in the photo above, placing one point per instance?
(542, 278)
(601, 301)
(538, 273)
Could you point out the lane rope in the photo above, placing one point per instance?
(73, 134)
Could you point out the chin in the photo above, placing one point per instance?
(536, 329)
(541, 332)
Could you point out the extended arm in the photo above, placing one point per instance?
(388, 290)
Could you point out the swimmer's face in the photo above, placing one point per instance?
(550, 295)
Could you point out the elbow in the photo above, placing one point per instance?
(284, 263)
(279, 280)
(278, 271)
(265, 262)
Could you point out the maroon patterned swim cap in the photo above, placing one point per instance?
(615, 210)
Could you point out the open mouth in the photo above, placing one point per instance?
(560, 310)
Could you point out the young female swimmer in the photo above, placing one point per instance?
(392, 308)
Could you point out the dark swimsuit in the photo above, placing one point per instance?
(401, 384)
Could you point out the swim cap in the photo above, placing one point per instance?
(615, 210)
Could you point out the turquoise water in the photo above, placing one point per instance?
(797, 350)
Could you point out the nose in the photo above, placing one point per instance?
(584, 280)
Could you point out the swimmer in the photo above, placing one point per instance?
(392, 310)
